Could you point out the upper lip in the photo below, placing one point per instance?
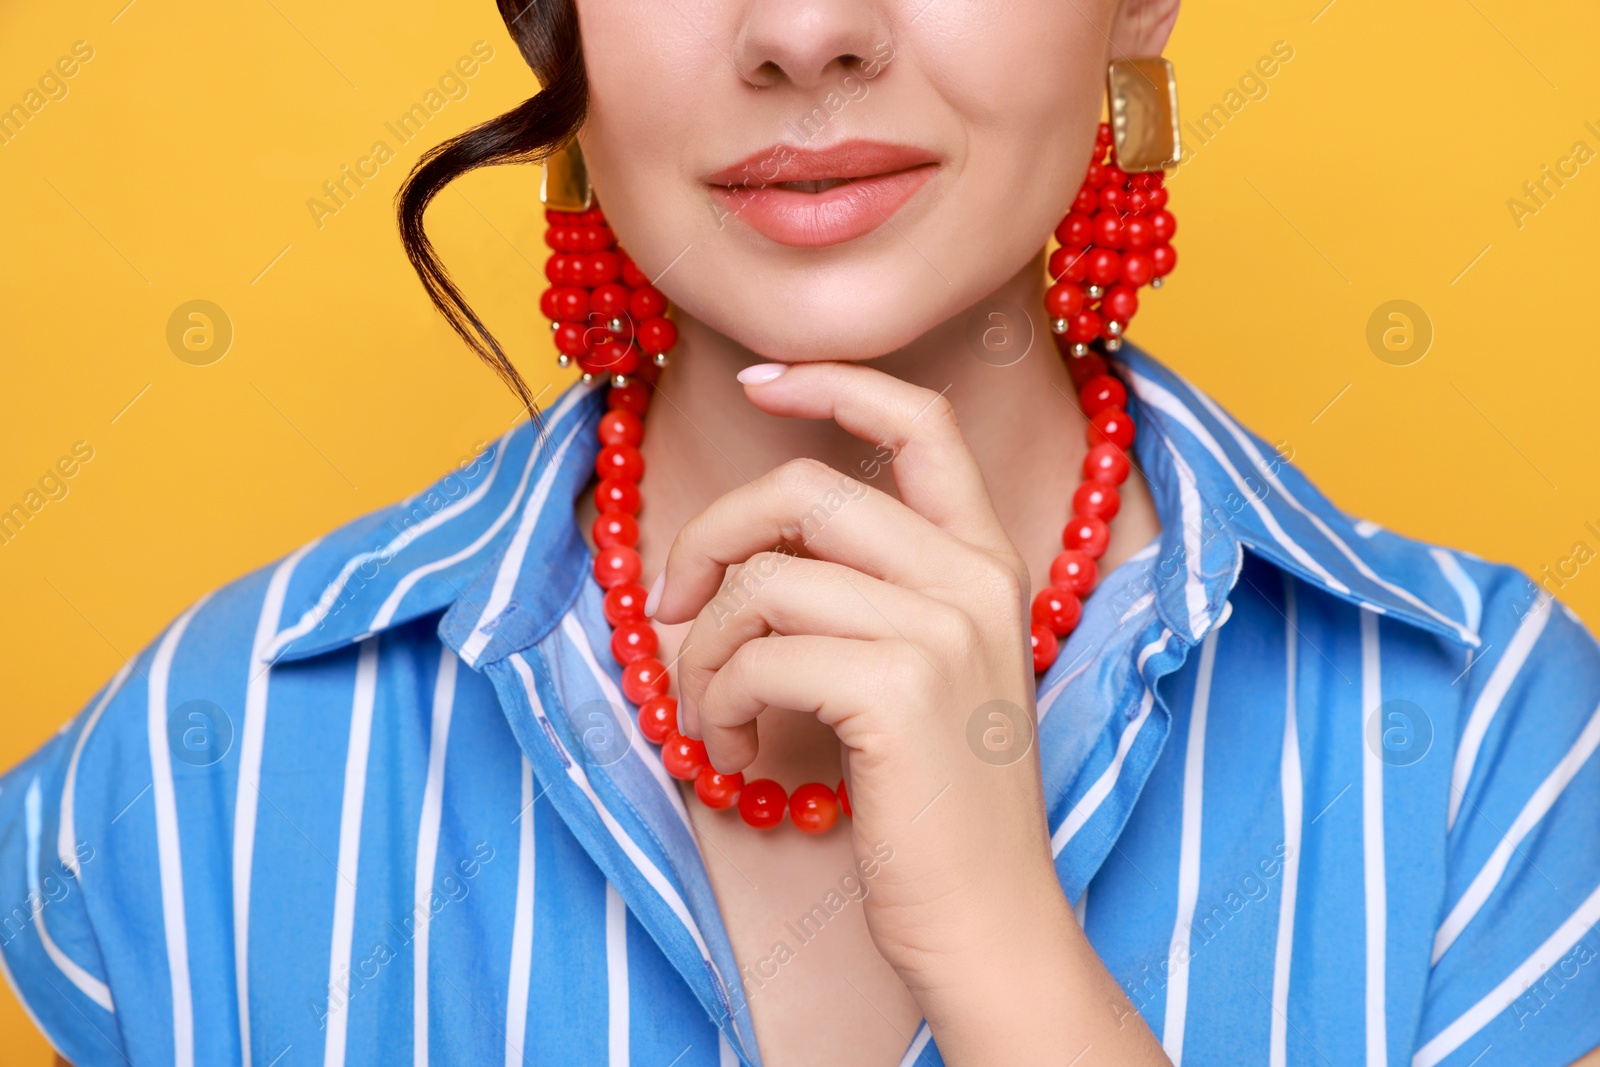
(845, 160)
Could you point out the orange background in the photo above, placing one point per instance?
(1376, 164)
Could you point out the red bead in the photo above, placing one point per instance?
(1069, 265)
(633, 640)
(1085, 368)
(1063, 300)
(565, 304)
(844, 801)
(600, 268)
(1097, 500)
(717, 791)
(1138, 268)
(1163, 225)
(615, 494)
(643, 679)
(1114, 199)
(762, 803)
(610, 301)
(619, 461)
(1073, 572)
(621, 427)
(1107, 463)
(1111, 425)
(634, 397)
(1095, 175)
(1158, 197)
(571, 338)
(1139, 233)
(1115, 175)
(1075, 231)
(1086, 535)
(1084, 326)
(1164, 257)
(1105, 266)
(1101, 392)
(592, 216)
(1108, 230)
(1121, 303)
(558, 268)
(647, 302)
(1057, 609)
(658, 719)
(813, 808)
(616, 566)
(625, 603)
(683, 757)
(622, 358)
(1086, 201)
(657, 335)
(1045, 647)
(615, 528)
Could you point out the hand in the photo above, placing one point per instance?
(911, 620)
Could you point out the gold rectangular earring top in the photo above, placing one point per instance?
(1143, 98)
(565, 185)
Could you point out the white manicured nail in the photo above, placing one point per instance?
(761, 373)
(653, 601)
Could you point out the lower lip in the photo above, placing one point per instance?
(815, 220)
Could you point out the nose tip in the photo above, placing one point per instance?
(806, 43)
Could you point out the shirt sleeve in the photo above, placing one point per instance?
(48, 949)
(1516, 957)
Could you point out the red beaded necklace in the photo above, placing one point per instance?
(609, 319)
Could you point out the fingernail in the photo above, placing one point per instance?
(653, 601)
(761, 373)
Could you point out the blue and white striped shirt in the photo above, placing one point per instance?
(1321, 795)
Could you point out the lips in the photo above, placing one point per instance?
(811, 198)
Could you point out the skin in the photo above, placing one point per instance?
(907, 609)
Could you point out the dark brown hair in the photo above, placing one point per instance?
(546, 32)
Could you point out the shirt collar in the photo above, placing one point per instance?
(496, 543)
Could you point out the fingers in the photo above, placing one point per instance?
(834, 678)
(936, 473)
(774, 592)
(835, 517)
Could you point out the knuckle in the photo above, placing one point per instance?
(955, 631)
(801, 477)
(905, 674)
(1000, 580)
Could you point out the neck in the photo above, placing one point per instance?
(703, 438)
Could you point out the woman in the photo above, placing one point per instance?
(831, 754)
